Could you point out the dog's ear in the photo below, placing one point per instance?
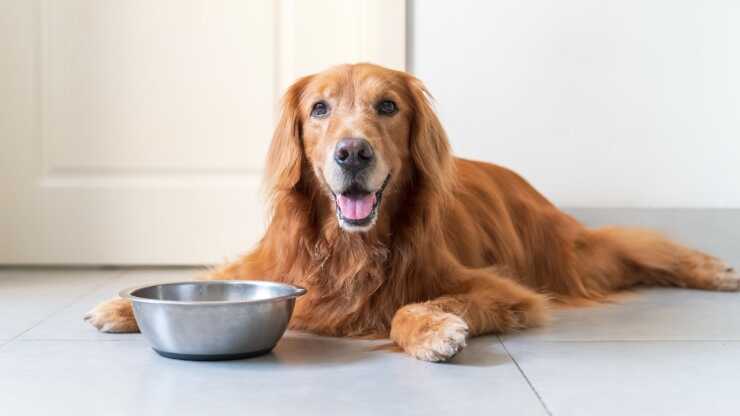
(430, 149)
(283, 167)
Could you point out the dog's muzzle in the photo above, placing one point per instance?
(356, 177)
(357, 208)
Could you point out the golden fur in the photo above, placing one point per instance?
(459, 247)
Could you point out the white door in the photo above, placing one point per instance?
(134, 132)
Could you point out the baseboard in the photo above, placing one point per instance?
(714, 230)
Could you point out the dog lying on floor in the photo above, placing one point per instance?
(393, 236)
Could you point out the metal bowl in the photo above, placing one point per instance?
(213, 320)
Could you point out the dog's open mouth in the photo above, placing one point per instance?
(357, 206)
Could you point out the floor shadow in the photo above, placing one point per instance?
(485, 351)
(309, 350)
(302, 350)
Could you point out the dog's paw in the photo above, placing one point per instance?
(727, 279)
(115, 315)
(428, 334)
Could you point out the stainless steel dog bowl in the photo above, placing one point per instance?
(213, 320)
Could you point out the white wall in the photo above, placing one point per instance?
(598, 103)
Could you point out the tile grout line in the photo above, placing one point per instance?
(117, 276)
(521, 371)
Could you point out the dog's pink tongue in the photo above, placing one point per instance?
(356, 208)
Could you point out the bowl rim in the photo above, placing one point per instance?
(128, 293)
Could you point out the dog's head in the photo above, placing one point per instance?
(363, 131)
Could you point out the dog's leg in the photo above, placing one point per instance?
(116, 315)
(437, 330)
(625, 257)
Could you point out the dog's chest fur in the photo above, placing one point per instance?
(351, 289)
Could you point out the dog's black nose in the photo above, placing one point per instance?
(353, 154)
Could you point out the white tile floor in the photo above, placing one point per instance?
(663, 351)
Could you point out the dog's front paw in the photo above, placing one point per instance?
(428, 334)
(115, 315)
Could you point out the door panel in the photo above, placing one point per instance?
(163, 86)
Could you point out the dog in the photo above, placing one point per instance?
(394, 237)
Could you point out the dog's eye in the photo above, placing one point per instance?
(387, 108)
(319, 110)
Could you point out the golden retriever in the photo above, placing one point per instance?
(393, 236)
